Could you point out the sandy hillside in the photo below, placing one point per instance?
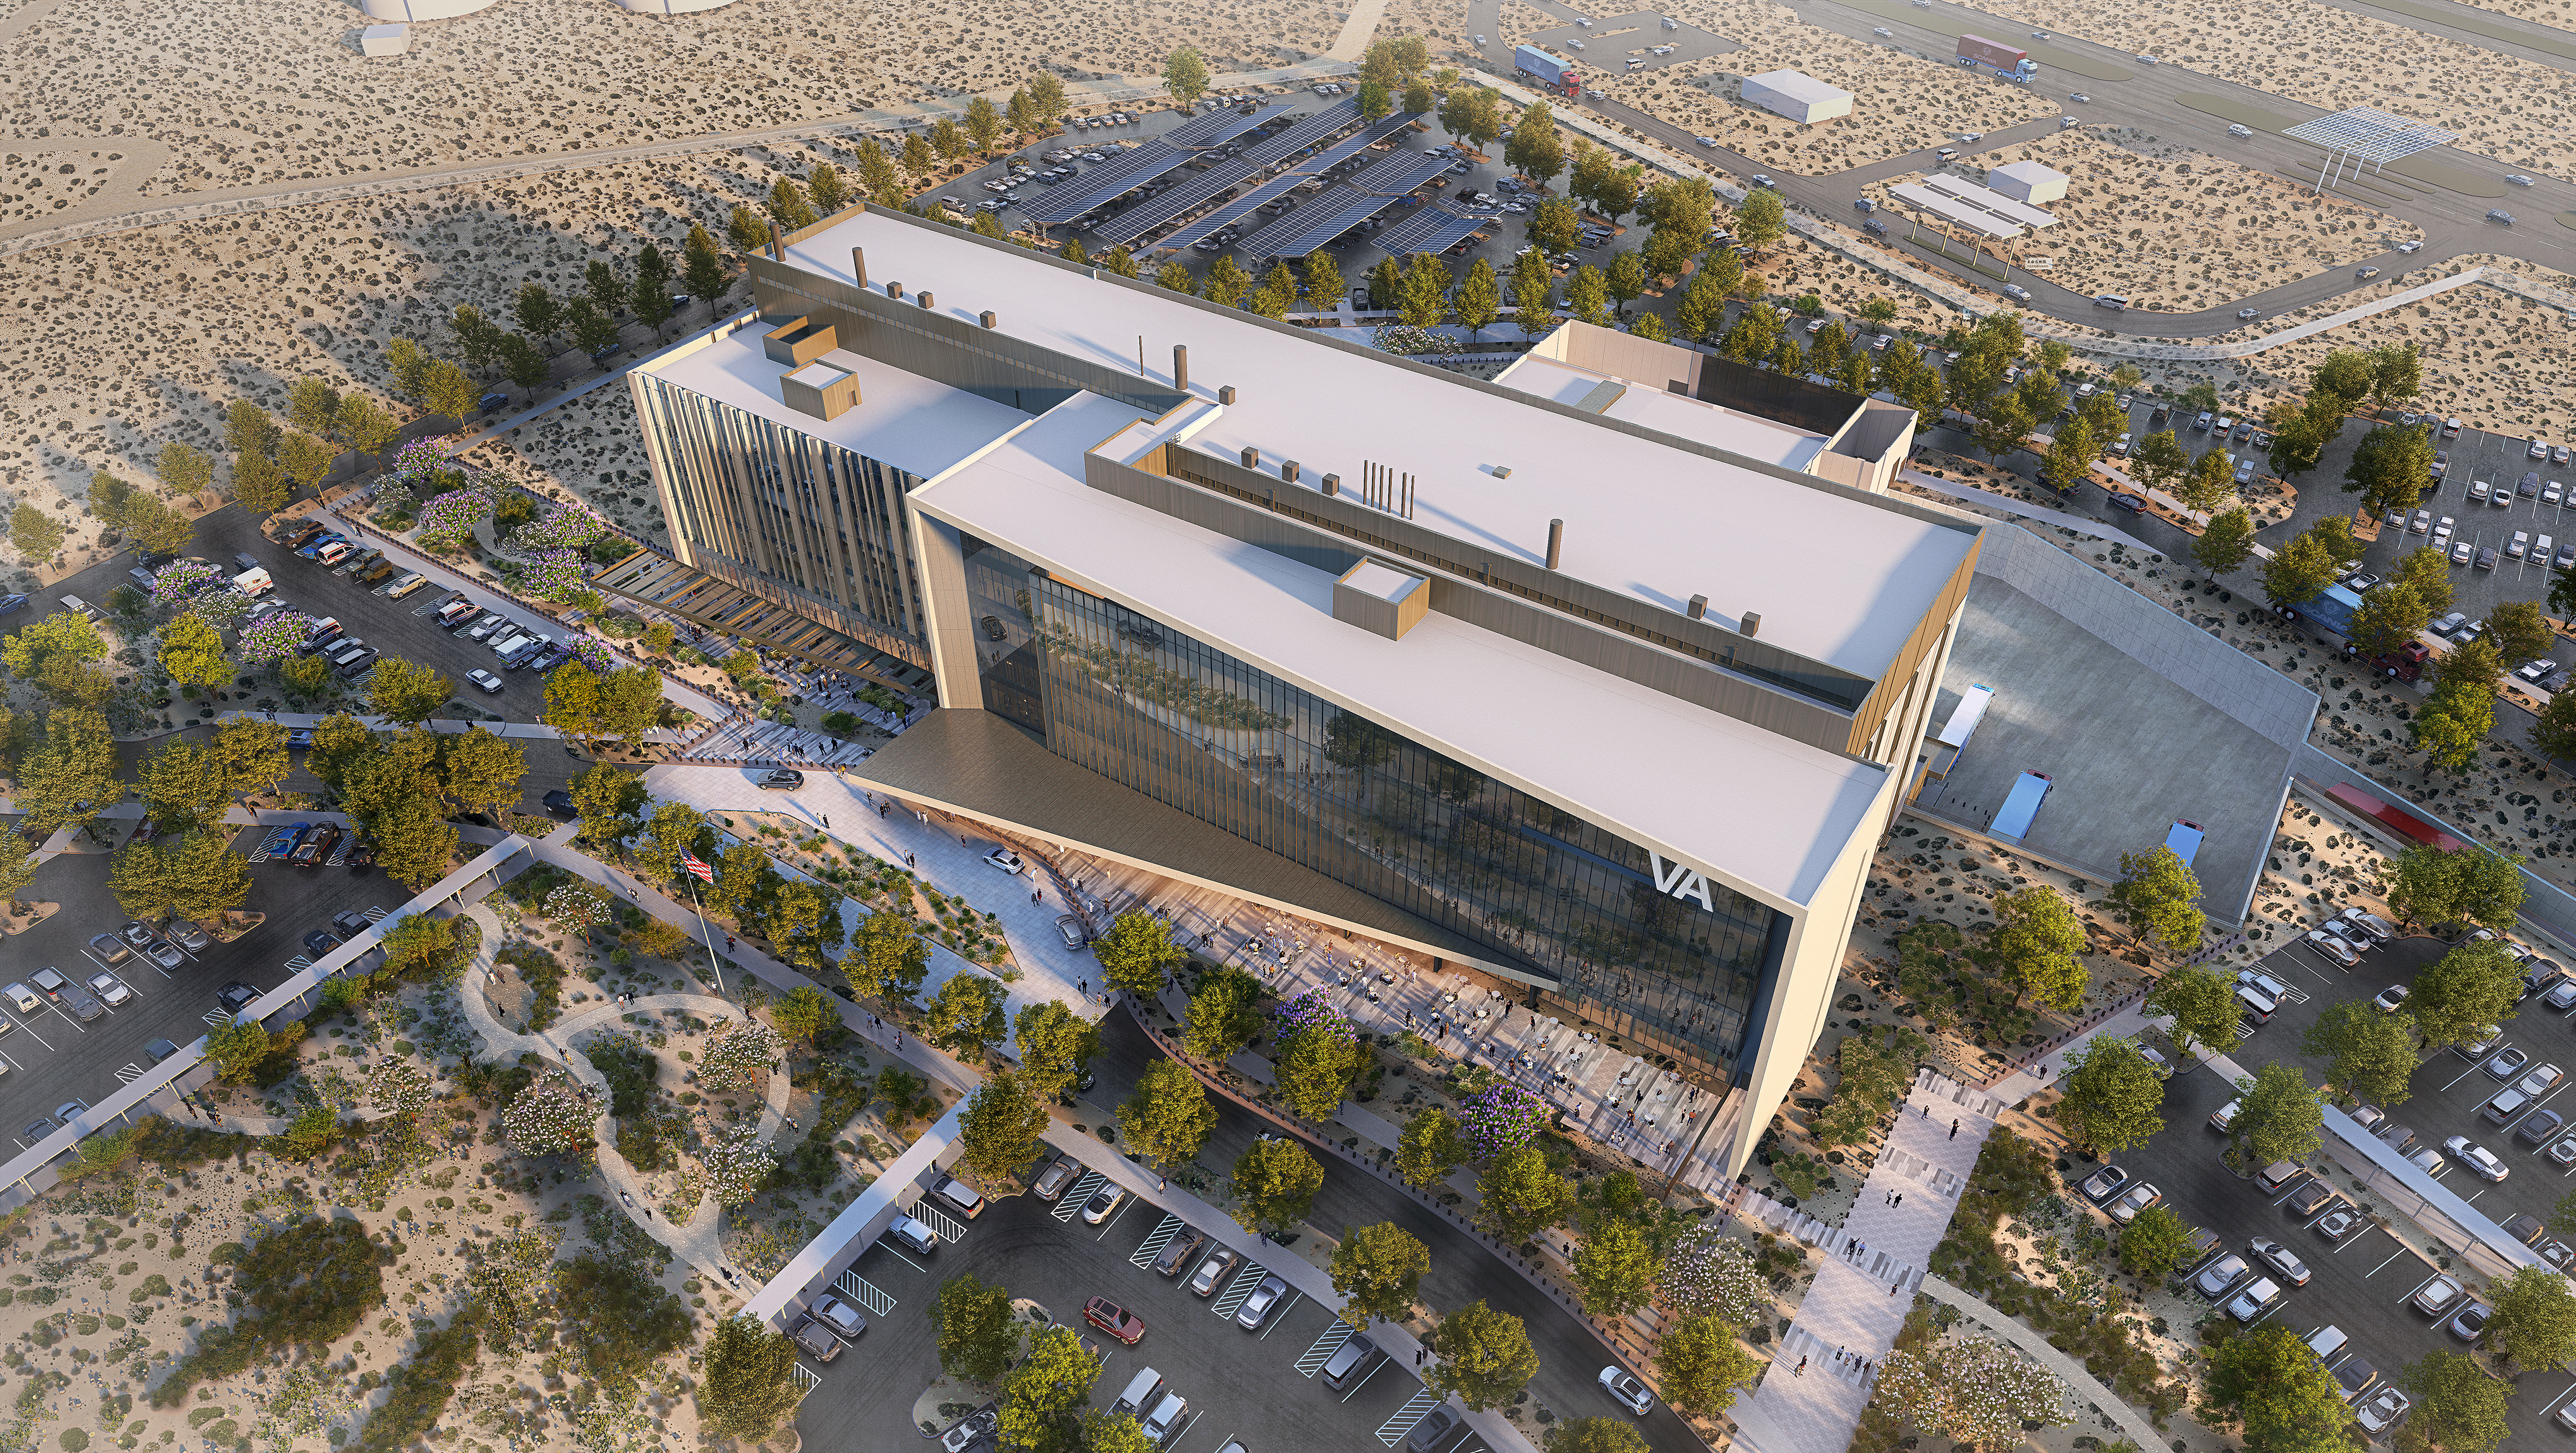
(1904, 102)
(2175, 228)
(2522, 115)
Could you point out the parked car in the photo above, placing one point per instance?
(1204, 1281)
(490, 683)
(1257, 1307)
(2477, 1157)
(962, 1198)
(110, 989)
(2337, 1224)
(2382, 1411)
(2257, 1298)
(2308, 1199)
(1186, 1243)
(2219, 1275)
(2508, 1063)
(1069, 928)
(1626, 1390)
(1114, 1319)
(1104, 1203)
(2139, 1198)
(1439, 1423)
(1059, 1175)
(2436, 1295)
(2538, 1126)
(2104, 1183)
(816, 1343)
(109, 948)
(781, 779)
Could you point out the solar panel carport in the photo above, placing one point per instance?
(1304, 134)
(1153, 212)
(1219, 127)
(1399, 174)
(1350, 146)
(1433, 229)
(1311, 226)
(1232, 212)
(1104, 181)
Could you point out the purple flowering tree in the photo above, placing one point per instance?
(448, 519)
(547, 575)
(1501, 1117)
(420, 459)
(593, 652)
(183, 580)
(565, 527)
(1319, 1054)
(273, 639)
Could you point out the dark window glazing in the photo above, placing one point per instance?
(1198, 730)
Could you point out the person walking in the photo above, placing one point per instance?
(1899, 1201)
(1802, 1368)
(1954, 1130)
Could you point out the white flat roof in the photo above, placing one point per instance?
(1652, 406)
(1797, 86)
(913, 423)
(2029, 171)
(1838, 579)
(1760, 810)
(1385, 582)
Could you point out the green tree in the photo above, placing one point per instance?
(2275, 1385)
(184, 470)
(2459, 995)
(998, 1132)
(406, 693)
(305, 459)
(1385, 283)
(2372, 1054)
(2427, 574)
(1762, 221)
(537, 311)
(2112, 1095)
(2208, 485)
(1423, 299)
(204, 876)
(2466, 885)
(70, 776)
(1185, 75)
(1601, 1435)
(1378, 1271)
(702, 267)
(311, 404)
(36, 534)
(2281, 1115)
(1317, 1067)
(607, 798)
(193, 652)
(1756, 331)
(408, 363)
(1275, 1181)
(594, 332)
(966, 1017)
(2005, 426)
(1478, 299)
(1520, 1195)
(2226, 543)
(237, 1050)
(2396, 374)
(1168, 1117)
(983, 123)
(1532, 288)
(523, 362)
(2562, 1216)
(2553, 734)
(1587, 296)
(1430, 1147)
(2159, 461)
(2391, 614)
(1042, 1395)
(2155, 1242)
(1701, 1365)
(1614, 1268)
(1224, 1014)
(976, 1337)
(1324, 286)
(2520, 629)
(2159, 897)
(2389, 469)
(1554, 223)
(1485, 1357)
(1535, 150)
(445, 392)
(135, 876)
(1137, 953)
(107, 499)
(749, 1385)
(1227, 282)
(801, 1014)
(366, 424)
(1046, 98)
(2343, 374)
(888, 959)
(2201, 1004)
(2534, 1326)
(2459, 1406)
(1054, 1045)
(155, 527)
(2038, 943)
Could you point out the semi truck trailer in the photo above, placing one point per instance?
(2009, 62)
(1547, 70)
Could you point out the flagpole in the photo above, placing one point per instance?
(713, 960)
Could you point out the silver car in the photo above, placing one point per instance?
(1223, 1260)
(1257, 1307)
(190, 937)
(2220, 1275)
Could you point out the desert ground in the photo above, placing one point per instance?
(1904, 102)
(2172, 227)
(2521, 115)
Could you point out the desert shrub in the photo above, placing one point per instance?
(420, 1388)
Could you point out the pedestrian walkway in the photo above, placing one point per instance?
(2088, 1389)
(1875, 1261)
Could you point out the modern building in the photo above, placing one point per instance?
(1603, 680)
(1794, 94)
(2028, 181)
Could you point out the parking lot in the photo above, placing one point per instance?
(2362, 1283)
(52, 1057)
(1256, 1386)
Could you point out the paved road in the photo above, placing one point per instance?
(2453, 224)
(1462, 1271)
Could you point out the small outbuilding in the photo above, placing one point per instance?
(2028, 181)
(384, 40)
(1801, 98)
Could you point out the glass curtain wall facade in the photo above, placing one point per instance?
(1203, 732)
(814, 525)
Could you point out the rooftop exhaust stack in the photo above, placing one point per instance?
(1555, 542)
(1225, 395)
(925, 297)
(894, 290)
(1332, 484)
(990, 319)
(1752, 623)
(1181, 367)
(1289, 471)
(1699, 608)
(1251, 457)
(859, 264)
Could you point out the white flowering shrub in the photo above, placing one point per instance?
(396, 1087)
(554, 1116)
(577, 908)
(741, 1059)
(737, 1164)
(1974, 1389)
(1406, 339)
(223, 609)
(1712, 1274)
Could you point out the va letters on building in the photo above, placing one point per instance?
(1681, 882)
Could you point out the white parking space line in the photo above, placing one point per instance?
(1280, 1316)
(30, 1027)
(1185, 1427)
(1374, 1371)
(2475, 1068)
(906, 1260)
(2417, 1287)
(66, 1018)
(1114, 1217)
(13, 1064)
(2472, 1197)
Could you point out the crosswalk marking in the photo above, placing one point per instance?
(938, 1220)
(129, 1072)
(1153, 1245)
(1419, 1407)
(377, 915)
(1236, 1290)
(866, 1293)
(1324, 1348)
(807, 1379)
(219, 1016)
(1074, 1198)
(298, 964)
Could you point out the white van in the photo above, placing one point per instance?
(1166, 1416)
(511, 641)
(1140, 1391)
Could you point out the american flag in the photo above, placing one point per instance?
(690, 861)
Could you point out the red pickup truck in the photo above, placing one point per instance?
(2406, 663)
